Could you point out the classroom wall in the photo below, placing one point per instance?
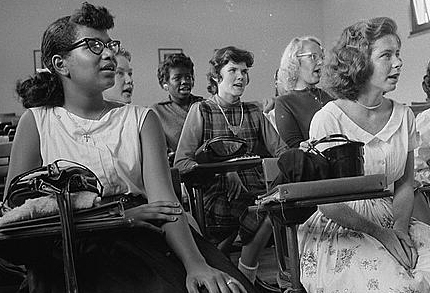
(198, 27)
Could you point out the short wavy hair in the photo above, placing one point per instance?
(220, 58)
(290, 64)
(349, 65)
(173, 61)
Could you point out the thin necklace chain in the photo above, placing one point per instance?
(86, 133)
(234, 129)
(370, 107)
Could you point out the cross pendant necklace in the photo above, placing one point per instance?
(233, 128)
(87, 136)
(86, 133)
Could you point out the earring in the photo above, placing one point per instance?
(165, 86)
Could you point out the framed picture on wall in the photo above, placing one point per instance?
(37, 59)
(163, 53)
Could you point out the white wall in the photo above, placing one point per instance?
(415, 51)
(198, 26)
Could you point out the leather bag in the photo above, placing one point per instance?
(221, 148)
(51, 179)
(345, 160)
(60, 179)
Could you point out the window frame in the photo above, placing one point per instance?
(418, 28)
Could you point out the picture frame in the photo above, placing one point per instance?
(163, 53)
(37, 60)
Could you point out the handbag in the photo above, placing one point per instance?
(51, 179)
(61, 179)
(221, 148)
(345, 160)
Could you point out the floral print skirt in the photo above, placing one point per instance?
(334, 259)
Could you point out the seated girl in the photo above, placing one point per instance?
(224, 114)
(124, 146)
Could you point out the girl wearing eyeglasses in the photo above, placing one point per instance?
(124, 145)
(299, 73)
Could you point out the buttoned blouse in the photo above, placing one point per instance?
(385, 152)
(110, 147)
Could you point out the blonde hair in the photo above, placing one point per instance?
(289, 67)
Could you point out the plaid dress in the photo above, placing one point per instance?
(218, 210)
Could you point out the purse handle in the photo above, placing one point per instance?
(337, 137)
(221, 138)
(51, 169)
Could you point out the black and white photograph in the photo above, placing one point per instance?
(218, 146)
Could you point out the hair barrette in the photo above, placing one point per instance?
(40, 70)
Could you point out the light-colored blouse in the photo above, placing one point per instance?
(110, 147)
(384, 152)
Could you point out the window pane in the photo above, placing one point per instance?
(421, 12)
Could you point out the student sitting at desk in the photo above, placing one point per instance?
(224, 114)
(368, 245)
(299, 73)
(124, 146)
(176, 76)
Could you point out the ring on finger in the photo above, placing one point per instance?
(230, 281)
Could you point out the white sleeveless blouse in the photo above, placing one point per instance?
(110, 147)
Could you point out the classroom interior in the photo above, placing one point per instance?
(151, 28)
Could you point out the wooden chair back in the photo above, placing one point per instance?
(270, 170)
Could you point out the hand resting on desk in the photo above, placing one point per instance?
(153, 215)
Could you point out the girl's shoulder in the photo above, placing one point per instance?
(128, 108)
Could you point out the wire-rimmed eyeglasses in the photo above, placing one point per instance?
(314, 56)
(96, 46)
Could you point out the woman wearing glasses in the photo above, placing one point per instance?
(299, 73)
(124, 145)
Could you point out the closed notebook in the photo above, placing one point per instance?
(324, 188)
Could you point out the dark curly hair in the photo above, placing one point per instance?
(349, 65)
(220, 58)
(45, 88)
(173, 61)
(426, 82)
